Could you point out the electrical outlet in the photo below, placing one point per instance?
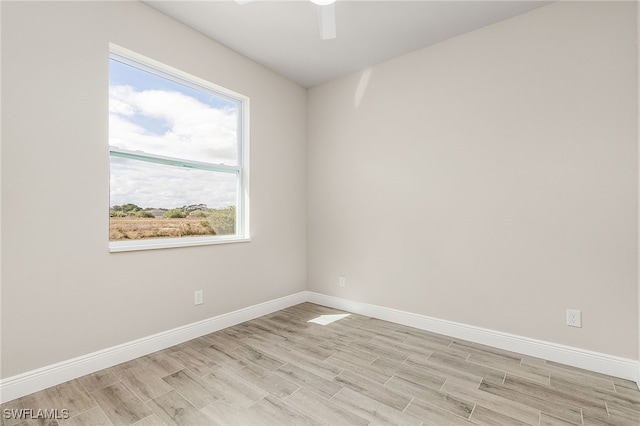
(198, 297)
(574, 318)
(342, 282)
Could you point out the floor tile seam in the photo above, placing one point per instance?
(195, 373)
(513, 356)
(444, 409)
(135, 393)
(377, 358)
(475, 404)
(504, 373)
(606, 403)
(592, 390)
(153, 413)
(273, 371)
(577, 382)
(622, 413)
(455, 368)
(87, 375)
(177, 361)
(94, 399)
(581, 423)
(341, 371)
(521, 364)
(543, 404)
(579, 373)
(150, 415)
(388, 380)
(615, 388)
(633, 408)
(83, 389)
(287, 396)
(571, 405)
(285, 378)
(407, 406)
(322, 396)
(304, 381)
(92, 408)
(118, 373)
(423, 352)
(335, 394)
(499, 398)
(405, 339)
(579, 395)
(136, 396)
(621, 400)
(120, 401)
(413, 398)
(511, 373)
(333, 365)
(176, 390)
(484, 363)
(506, 414)
(162, 394)
(293, 407)
(441, 389)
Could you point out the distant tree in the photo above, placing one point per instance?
(175, 214)
(144, 213)
(129, 207)
(194, 207)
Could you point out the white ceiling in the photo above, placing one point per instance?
(284, 35)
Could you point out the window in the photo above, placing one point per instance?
(178, 150)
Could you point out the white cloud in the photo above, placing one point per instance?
(172, 124)
(156, 185)
(190, 129)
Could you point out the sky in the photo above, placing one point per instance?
(154, 115)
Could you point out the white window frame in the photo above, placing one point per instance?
(241, 170)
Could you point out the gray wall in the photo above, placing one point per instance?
(490, 179)
(63, 293)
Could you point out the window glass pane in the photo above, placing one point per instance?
(158, 116)
(150, 200)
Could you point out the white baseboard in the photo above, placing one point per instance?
(42, 378)
(594, 361)
(51, 375)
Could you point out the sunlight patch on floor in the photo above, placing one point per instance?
(328, 319)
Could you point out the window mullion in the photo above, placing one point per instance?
(170, 161)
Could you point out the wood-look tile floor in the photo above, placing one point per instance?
(281, 369)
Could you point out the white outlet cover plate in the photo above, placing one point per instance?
(574, 318)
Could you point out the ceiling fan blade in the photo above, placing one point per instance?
(327, 19)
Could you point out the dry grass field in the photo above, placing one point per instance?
(137, 228)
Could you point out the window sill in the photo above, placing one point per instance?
(166, 243)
